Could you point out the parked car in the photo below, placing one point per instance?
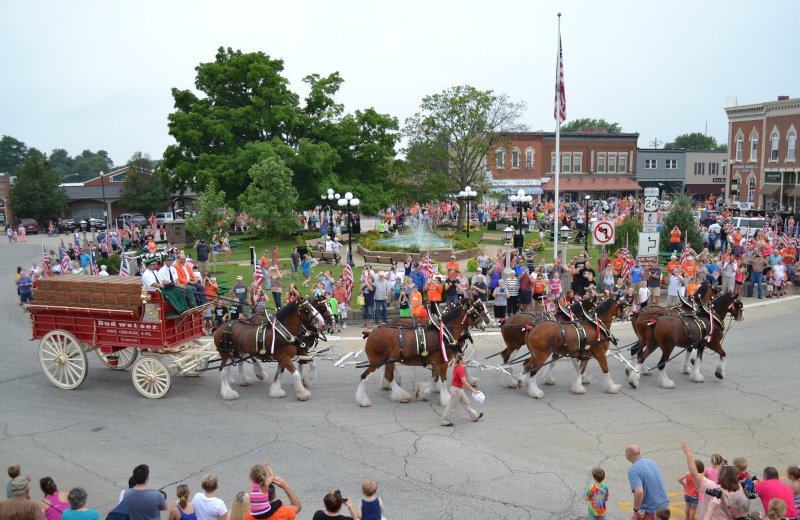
(66, 224)
(125, 219)
(30, 225)
(163, 218)
(96, 224)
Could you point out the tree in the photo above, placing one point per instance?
(450, 137)
(271, 199)
(213, 216)
(695, 141)
(12, 154)
(36, 192)
(249, 114)
(142, 190)
(681, 214)
(627, 235)
(575, 124)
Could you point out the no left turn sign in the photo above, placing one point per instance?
(603, 233)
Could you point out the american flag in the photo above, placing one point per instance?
(76, 250)
(348, 278)
(765, 229)
(123, 268)
(426, 267)
(785, 240)
(258, 276)
(154, 228)
(134, 234)
(685, 252)
(560, 111)
(45, 260)
(95, 269)
(64, 260)
(191, 263)
(627, 260)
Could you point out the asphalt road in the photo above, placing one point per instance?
(526, 458)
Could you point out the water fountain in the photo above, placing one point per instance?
(421, 235)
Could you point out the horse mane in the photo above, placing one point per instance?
(451, 314)
(577, 307)
(701, 291)
(604, 306)
(286, 310)
(722, 301)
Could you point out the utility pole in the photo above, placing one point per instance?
(655, 142)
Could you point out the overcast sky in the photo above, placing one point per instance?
(97, 75)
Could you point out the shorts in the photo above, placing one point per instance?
(25, 297)
(769, 287)
(691, 500)
(295, 268)
(203, 267)
(636, 286)
(655, 291)
(207, 319)
(525, 297)
(601, 517)
(335, 318)
(538, 296)
(738, 283)
(343, 310)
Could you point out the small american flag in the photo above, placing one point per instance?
(560, 111)
(785, 240)
(123, 268)
(154, 228)
(76, 250)
(45, 260)
(134, 234)
(627, 259)
(95, 269)
(685, 252)
(64, 260)
(765, 229)
(426, 267)
(258, 276)
(348, 279)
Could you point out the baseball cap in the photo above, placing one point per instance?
(239, 278)
(416, 264)
(202, 240)
(20, 484)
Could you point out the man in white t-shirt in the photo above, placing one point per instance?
(673, 287)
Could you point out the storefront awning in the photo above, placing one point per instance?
(593, 183)
(769, 189)
(661, 185)
(511, 190)
(704, 189)
(794, 192)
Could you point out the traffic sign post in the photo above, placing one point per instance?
(651, 200)
(649, 244)
(603, 233)
(650, 222)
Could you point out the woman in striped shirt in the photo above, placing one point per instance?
(512, 284)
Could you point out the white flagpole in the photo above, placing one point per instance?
(558, 148)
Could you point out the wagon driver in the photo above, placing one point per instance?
(176, 296)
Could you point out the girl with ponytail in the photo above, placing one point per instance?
(182, 509)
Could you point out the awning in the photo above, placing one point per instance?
(510, 190)
(794, 192)
(661, 185)
(704, 189)
(769, 189)
(593, 183)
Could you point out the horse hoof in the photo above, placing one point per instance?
(550, 381)
(648, 373)
(280, 394)
(579, 390)
(627, 371)
(308, 382)
(260, 377)
(231, 396)
(687, 370)
(719, 375)
(303, 397)
(614, 389)
(404, 400)
(633, 384)
(246, 382)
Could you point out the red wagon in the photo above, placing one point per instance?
(118, 319)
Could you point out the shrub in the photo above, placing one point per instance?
(464, 243)
(472, 265)
(112, 264)
(491, 226)
(414, 248)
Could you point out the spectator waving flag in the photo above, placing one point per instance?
(64, 260)
(426, 267)
(560, 112)
(45, 260)
(348, 278)
(685, 252)
(627, 260)
(258, 276)
(123, 267)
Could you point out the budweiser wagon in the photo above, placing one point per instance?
(120, 321)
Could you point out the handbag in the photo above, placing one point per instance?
(360, 300)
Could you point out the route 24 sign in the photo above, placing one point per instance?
(603, 233)
(651, 201)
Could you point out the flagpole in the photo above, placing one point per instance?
(556, 229)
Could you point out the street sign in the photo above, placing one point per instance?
(650, 222)
(648, 244)
(651, 203)
(651, 192)
(603, 233)
(647, 259)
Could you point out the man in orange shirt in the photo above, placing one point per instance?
(675, 240)
(617, 265)
(452, 264)
(193, 284)
(690, 268)
(788, 255)
(737, 237)
(673, 263)
(435, 294)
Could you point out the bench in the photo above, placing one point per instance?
(331, 257)
(380, 260)
(496, 237)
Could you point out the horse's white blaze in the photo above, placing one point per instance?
(275, 390)
(225, 391)
(697, 377)
(664, 381)
(398, 394)
(299, 390)
(611, 388)
(361, 393)
(685, 366)
(533, 390)
(444, 395)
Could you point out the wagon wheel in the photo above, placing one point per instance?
(151, 377)
(126, 357)
(63, 359)
(198, 370)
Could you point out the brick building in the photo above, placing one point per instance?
(699, 172)
(762, 139)
(5, 211)
(593, 162)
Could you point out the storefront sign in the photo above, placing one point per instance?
(720, 180)
(517, 182)
(745, 166)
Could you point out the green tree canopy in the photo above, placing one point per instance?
(681, 214)
(36, 192)
(450, 137)
(213, 216)
(12, 153)
(271, 199)
(248, 114)
(575, 124)
(142, 190)
(696, 141)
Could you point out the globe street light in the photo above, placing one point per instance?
(467, 195)
(508, 235)
(586, 222)
(349, 202)
(329, 197)
(521, 201)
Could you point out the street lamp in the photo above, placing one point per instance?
(521, 201)
(564, 231)
(328, 197)
(349, 202)
(508, 235)
(586, 222)
(467, 195)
